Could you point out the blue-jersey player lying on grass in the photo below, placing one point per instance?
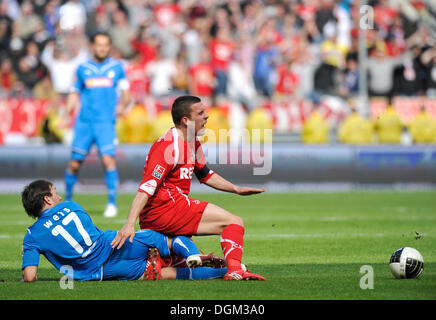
(65, 234)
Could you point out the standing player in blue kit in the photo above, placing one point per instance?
(99, 82)
(65, 234)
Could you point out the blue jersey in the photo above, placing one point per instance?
(98, 85)
(66, 236)
(263, 62)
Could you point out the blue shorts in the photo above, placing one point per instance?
(129, 262)
(103, 134)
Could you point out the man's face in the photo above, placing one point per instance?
(199, 116)
(101, 47)
(54, 199)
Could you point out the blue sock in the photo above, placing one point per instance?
(111, 179)
(184, 247)
(70, 181)
(200, 273)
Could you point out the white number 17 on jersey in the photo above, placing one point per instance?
(59, 230)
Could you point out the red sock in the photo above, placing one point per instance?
(232, 243)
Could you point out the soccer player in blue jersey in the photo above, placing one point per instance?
(65, 234)
(99, 83)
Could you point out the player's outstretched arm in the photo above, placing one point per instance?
(125, 103)
(29, 274)
(128, 230)
(219, 183)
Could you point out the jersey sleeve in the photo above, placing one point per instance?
(122, 82)
(201, 171)
(160, 161)
(31, 251)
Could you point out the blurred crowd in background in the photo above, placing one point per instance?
(245, 52)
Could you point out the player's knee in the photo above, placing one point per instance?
(232, 219)
(109, 162)
(238, 220)
(74, 166)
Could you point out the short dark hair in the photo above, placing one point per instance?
(100, 33)
(33, 195)
(182, 107)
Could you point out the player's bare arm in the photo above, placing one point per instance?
(71, 104)
(219, 183)
(125, 103)
(128, 230)
(29, 274)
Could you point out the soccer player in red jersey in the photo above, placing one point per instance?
(162, 202)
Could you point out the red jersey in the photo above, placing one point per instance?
(165, 14)
(202, 74)
(221, 52)
(287, 80)
(384, 16)
(148, 52)
(139, 83)
(168, 172)
(307, 12)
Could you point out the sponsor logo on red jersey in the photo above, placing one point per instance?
(158, 172)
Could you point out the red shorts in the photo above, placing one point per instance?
(178, 215)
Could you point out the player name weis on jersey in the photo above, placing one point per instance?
(56, 217)
(59, 230)
(228, 309)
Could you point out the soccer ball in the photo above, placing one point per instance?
(406, 263)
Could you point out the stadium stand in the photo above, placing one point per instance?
(283, 57)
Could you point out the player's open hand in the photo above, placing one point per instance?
(127, 231)
(246, 191)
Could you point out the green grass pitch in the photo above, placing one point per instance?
(307, 245)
